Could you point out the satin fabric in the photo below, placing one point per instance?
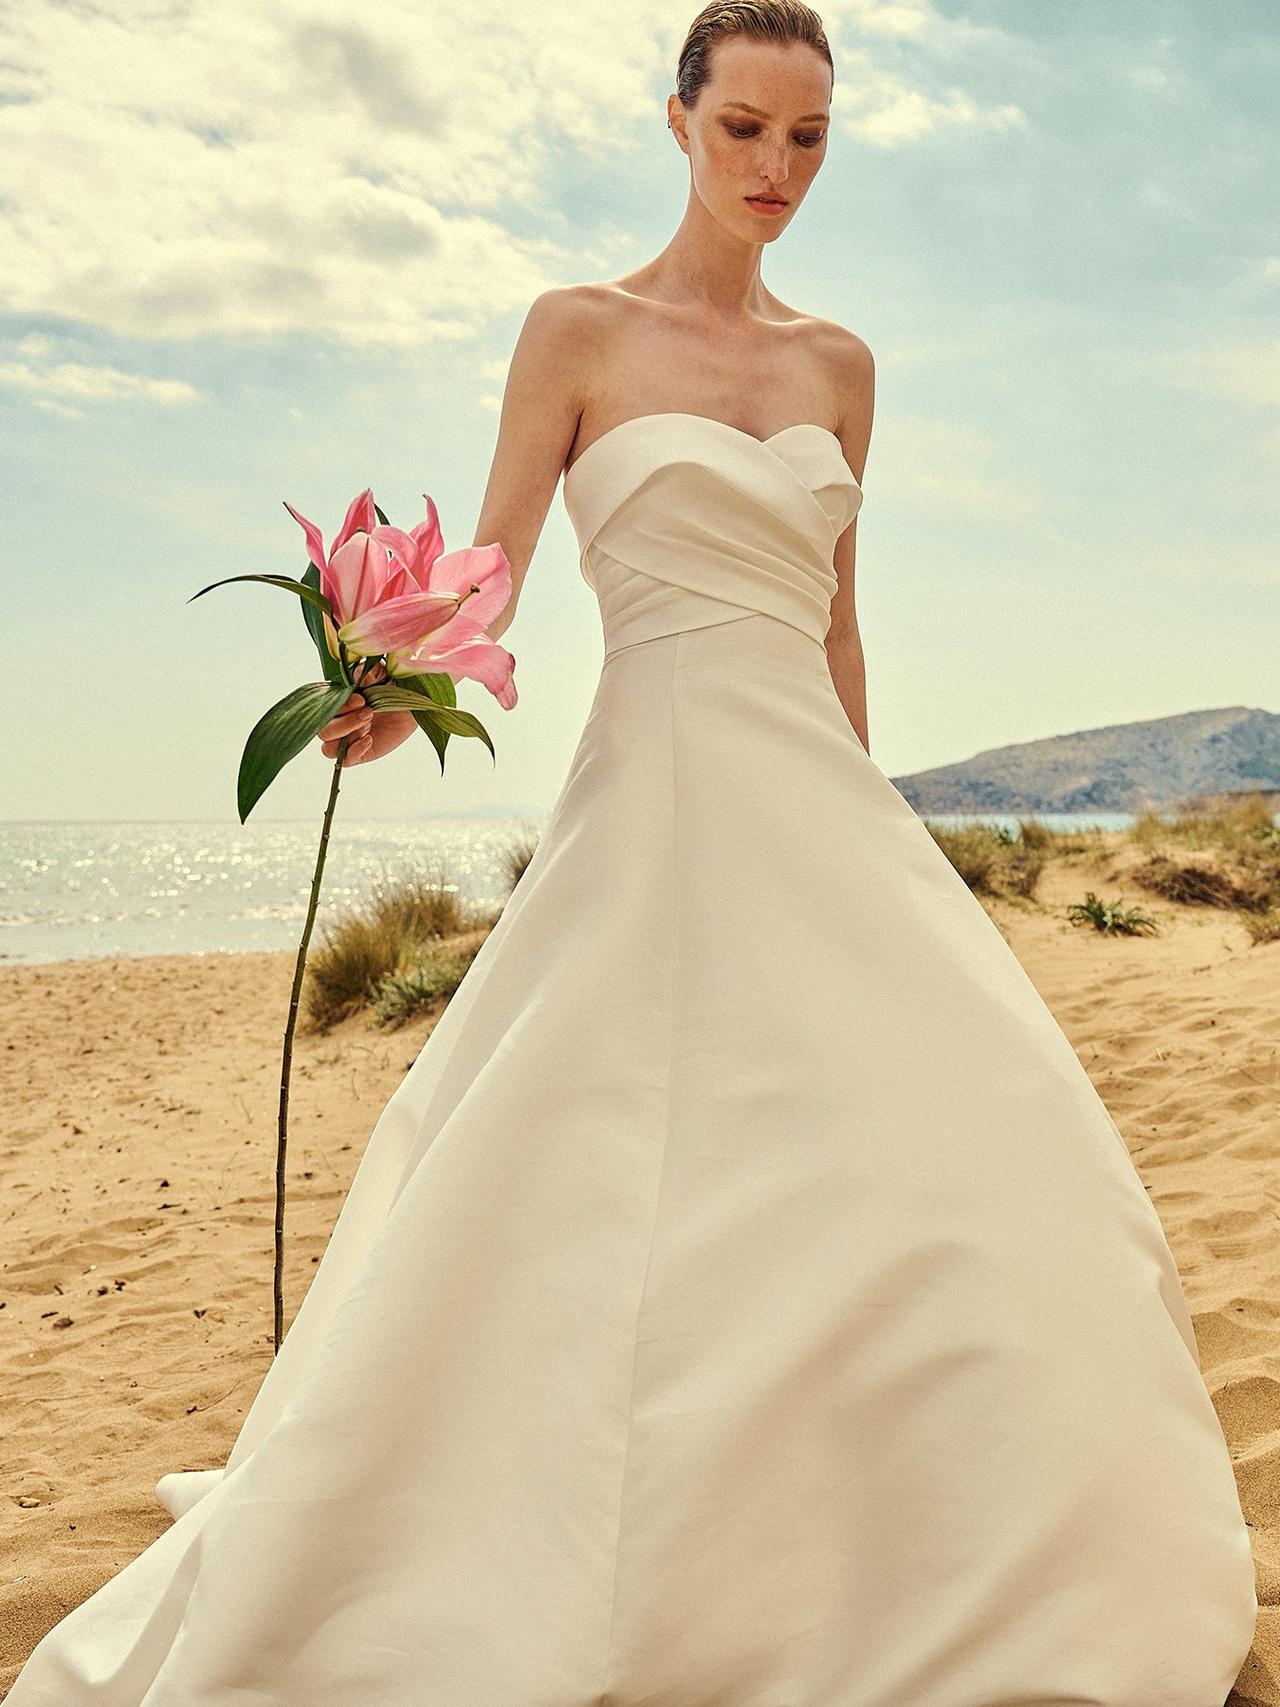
(744, 1300)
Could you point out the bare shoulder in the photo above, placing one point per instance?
(565, 306)
(565, 329)
(849, 367)
(550, 367)
(566, 314)
(847, 357)
(552, 323)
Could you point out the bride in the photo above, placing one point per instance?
(745, 1299)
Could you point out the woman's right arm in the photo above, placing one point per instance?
(541, 404)
(540, 408)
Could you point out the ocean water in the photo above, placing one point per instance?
(70, 891)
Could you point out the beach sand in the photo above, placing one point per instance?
(137, 1155)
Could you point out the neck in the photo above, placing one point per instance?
(707, 267)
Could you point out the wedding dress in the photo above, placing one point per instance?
(745, 1299)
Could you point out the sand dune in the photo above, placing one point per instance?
(137, 1154)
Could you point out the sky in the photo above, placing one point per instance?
(254, 254)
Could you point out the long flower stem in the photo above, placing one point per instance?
(287, 1062)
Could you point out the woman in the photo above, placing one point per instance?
(745, 1298)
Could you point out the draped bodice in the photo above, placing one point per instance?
(683, 520)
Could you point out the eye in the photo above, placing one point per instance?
(811, 140)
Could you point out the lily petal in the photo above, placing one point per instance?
(402, 545)
(480, 566)
(356, 577)
(361, 517)
(315, 540)
(398, 581)
(484, 661)
(421, 657)
(429, 540)
(397, 624)
(458, 627)
(470, 654)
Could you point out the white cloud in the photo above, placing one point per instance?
(953, 464)
(1204, 559)
(887, 110)
(247, 171)
(1244, 373)
(67, 411)
(911, 19)
(89, 384)
(383, 177)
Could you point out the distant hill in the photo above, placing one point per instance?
(1125, 767)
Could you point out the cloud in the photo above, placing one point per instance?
(382, 176)
(887, 111)
(1243, 372)
(955, 465)
(56, 382)
(255, 172)
(1149, 77)
(911, 19)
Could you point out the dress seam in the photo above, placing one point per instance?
(603, 1698)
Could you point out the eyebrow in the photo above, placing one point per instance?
(808, 118)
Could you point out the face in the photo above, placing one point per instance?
(757, 129)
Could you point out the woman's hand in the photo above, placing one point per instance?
(373, 733)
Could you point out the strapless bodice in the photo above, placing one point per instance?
(683, 521)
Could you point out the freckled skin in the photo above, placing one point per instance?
(733, 153)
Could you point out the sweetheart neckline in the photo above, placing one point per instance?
(715, 421)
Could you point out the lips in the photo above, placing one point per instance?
(771, 201)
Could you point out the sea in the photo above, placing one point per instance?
(72, 891)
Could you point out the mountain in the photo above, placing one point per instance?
(1124, 767)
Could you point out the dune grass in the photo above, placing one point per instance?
(520, 850)
(994, 861)
(1262, 927)
(1111, 917)
(403, 950)
(1228, 858)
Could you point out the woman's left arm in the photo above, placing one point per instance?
(844, 643)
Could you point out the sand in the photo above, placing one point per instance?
(137, 1153)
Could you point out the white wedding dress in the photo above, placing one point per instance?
(745, 1299)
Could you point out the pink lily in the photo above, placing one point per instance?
(477, 578)
(473, 655)
(481, 576)
(389, 589)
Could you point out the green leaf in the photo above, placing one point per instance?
(390, 696)
(395, 695)
(333, 670)
(280, 735)
(441, 688)
(382, 519)
(439, 738)
(449, 719)
(309, 594)
(436, 685)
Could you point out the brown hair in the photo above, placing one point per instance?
(765, 20)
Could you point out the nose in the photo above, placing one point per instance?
(773, 162)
